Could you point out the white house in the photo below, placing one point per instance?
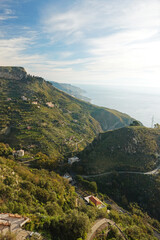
(19, 153)
(24, 98)
(68, 177)
(35, 102)
(73, 159)
(50, 104)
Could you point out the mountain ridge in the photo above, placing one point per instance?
(133, 148)
(63, 121)
(71, 90)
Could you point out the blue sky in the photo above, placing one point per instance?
(115, 42)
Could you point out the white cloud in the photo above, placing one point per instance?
(118, 39)
(98, 68)
(86, 16)
(65, 54)
(12, 51)
(5, 11)
(129, 50)
(5, 17)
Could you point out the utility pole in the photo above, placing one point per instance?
(152, 121)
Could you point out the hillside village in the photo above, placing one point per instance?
(13, 223)
(60, 158)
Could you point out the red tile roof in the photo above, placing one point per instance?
(95, 200)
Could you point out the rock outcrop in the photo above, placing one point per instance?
(13, 73)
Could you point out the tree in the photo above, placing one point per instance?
(157, 126)
(74, 224)
(77, 224)
(135, 123)
(5, 150)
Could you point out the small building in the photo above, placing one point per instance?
(24, 98)
(68, 177)
(35, 103)
(87, 199)
(50, 104)
(19, 153)
(95, 201)
(12, 223)
(75, 121)
(73, 159)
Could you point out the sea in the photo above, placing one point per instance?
(141, 103)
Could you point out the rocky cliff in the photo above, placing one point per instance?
(13, 73)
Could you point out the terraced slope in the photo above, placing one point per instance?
(39, 117)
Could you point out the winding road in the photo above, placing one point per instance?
(103, 222)
(153, 172)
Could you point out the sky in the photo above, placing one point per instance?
(105, 42)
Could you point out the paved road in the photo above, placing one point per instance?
(156, 234)
(153, 172)
(95, 227)
(116, 207)
(99, 224)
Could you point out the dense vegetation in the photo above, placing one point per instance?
(49, 125)
(63, 127)
(55, 209)
(133, 148)
(48, 199)
(143, 189)
(135, 225)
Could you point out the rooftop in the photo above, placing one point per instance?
(95, 200)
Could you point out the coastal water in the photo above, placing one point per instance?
(141, 103)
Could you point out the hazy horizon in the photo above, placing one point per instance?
(95, 42)
(141, 104)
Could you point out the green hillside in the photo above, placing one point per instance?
(127, 188)
(122, 152)
(38, 117)
(46, 198)
(54, 208)
(130, 148)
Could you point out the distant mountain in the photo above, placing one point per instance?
(39, 117)
(71, 90)
(129, 149)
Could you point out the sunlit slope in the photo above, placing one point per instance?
(128, 149)
(38, 117)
